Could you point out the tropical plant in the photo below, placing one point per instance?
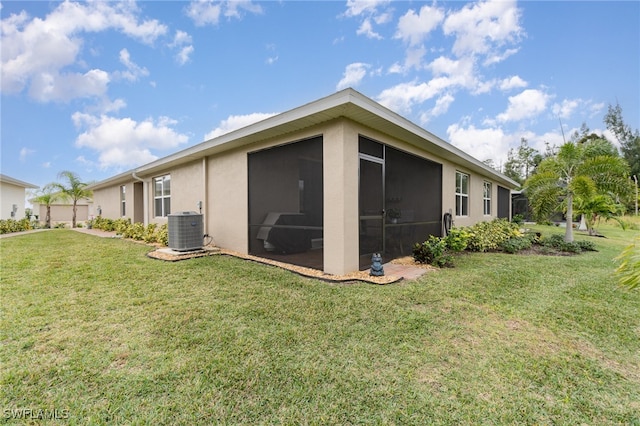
(576, 169)
(75, 190)
(47, 196)
(598, 206)
(629, 269)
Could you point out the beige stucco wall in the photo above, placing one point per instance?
(64, 213)
(9, 195)
(227, 203)
(106, 201)
(187, 189)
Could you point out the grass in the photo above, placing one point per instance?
(94, 327)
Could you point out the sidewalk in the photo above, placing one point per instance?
(17, 234)
(96, 232)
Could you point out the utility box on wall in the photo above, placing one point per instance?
(186, 231)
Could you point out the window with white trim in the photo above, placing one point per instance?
(162, 196)
(462, 194)
(486, 197)
(123, 201)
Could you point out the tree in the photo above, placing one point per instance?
(521, 162)
(596, 206)
(47, 196)
(629, 140)
(75, 190)
(576, 170)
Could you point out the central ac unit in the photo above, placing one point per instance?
(185, 231)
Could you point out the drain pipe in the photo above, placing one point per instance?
(145, 197)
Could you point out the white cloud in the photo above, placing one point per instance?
(37, 52)
(402, 97)
(134, 71)
(483, 144)
(25, 152)
(367, 7)
(528, 104)
(513, 82)
(369, 11)
(124, 142)
(483, 27)
(566, 108)
(183, 56)
(55, 87)
(208, 12)
(234, 122)
(204, 12)
(353, 75)
(414, 28)
(182, 41)
(366, 29)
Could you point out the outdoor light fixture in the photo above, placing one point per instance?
(99, 211)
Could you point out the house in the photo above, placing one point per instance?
(324, 185)
(62, 211)
(13, 197)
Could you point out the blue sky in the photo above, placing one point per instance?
(99, 88)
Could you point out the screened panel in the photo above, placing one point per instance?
(413, 201)
(411, 190)
(504, 199)
(286, 203)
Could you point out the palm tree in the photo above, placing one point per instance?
(76, 190)
(47, 196)
(576, 169)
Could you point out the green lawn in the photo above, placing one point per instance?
(95, 328)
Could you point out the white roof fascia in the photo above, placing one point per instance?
(16, 182)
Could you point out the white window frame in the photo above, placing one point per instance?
(486, 197)
(123, 200)
(462, 197)
(164, 195)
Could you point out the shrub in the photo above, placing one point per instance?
(163, 235)
(487, 236)
(557, 242)
(149, 235)
(457, 239)
(516, 244)
(8, 226)
(432, 251)
(518, 219)
(586, 245)
(121, 225)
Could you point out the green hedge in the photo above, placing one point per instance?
(497, 235)
(151, 233)
(8, 226)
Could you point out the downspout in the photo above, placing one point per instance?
(205, 195)
(145, 197)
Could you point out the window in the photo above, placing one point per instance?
(162, 196)
(462, 194)
(487, 198)
(123, 203)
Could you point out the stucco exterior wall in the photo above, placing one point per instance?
(106, 202)
(227, 203)
(64, 213)
(10, 195)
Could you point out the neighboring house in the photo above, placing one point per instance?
(62, 211)
(321, 185)
(12, 197)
